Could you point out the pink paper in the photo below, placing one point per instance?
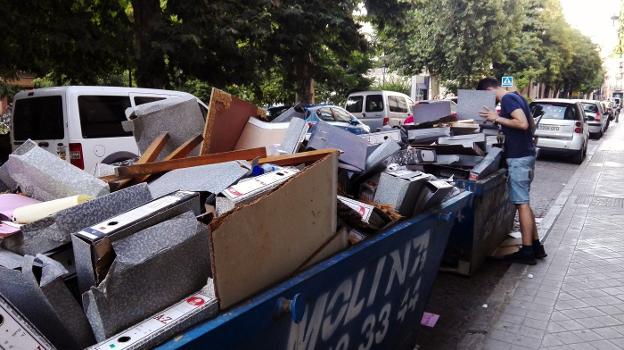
(10, 202)
(429, 319)
(8, 228)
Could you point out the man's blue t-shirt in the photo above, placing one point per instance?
(518, 143)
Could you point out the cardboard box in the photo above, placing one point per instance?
(433, 193)
(400, 189)
(354, 149)
(93, 246)
(264, 242)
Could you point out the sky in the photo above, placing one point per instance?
(593, 18)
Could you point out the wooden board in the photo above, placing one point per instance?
(182, 151)
(164, 166)
(298, 158)
(150, 154)
(225, 121)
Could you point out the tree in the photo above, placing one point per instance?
(317, 40)
(584, 73)
(78, 41)
(523, 45)
(455, 39)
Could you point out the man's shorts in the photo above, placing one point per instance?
(521, 172)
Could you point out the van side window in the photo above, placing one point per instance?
(354, 104)
(101, 116)
(374, 103)
(397, 104)
(141, 100)
(38, 118)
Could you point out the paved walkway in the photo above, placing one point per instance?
(575, 298)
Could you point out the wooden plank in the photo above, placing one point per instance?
(182, 151)
(298, 158)
(150, 154)
(154, 149)
(164, 166)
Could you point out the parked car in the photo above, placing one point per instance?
(596, 116)
(562, 127)
(379, 108)
(336, 116)
(83, 122)
(274, 111)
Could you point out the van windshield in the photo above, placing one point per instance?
(38, 118)
(101, 116)
(354, 104)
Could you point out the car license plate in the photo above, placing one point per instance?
(549, 128)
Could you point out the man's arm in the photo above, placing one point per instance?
(518, 118)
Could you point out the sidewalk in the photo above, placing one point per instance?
(575, 298)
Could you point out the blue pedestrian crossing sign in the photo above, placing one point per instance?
(507, 81)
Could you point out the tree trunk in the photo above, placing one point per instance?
(305, 81)
(148, 22)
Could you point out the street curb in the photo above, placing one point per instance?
(506, 286)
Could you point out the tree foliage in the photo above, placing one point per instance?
(273, 51)
(462, 41)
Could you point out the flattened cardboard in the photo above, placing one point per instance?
(488, 165)
(429, 112)
(227, 117)
(429, 135)
(377, 138)
(471, 102)
(354, 148)
(44, 176)
(181, 118)
(253, 248)
(212, 178)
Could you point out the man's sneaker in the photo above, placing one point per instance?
(539, 251)
(522, 257)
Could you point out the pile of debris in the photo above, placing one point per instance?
(203, 221)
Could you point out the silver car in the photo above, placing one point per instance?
(561, 128)
(597, 117)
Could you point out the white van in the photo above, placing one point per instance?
(82, 121)
(379, 108)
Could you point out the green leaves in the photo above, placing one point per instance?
(462, 41)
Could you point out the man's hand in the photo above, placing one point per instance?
(488, 114)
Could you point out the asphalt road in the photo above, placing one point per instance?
(459, 300)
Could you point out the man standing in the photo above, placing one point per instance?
(517, 124)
